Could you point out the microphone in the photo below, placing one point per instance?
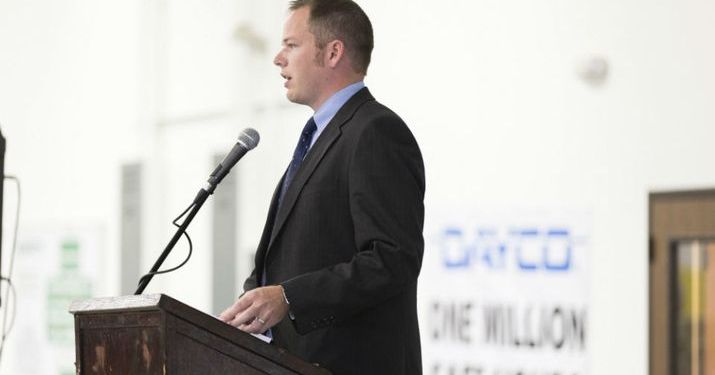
(247, 141)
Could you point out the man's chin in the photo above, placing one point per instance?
(290, 96)
(294, 98)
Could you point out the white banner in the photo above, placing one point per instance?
(505, 293)
(55, 264)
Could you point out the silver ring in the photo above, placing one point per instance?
(260, 320)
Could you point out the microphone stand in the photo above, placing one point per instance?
(201, 197)
(246, 141)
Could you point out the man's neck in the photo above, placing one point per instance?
(337, 86)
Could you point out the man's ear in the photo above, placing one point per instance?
(334, 53)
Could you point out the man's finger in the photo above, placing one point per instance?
(245, 317)
(239, 306)
(258, 325)
(228, 314)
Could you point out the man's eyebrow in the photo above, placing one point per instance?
(288, 39)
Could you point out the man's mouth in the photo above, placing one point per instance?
(287, 79)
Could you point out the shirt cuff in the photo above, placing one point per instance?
(285, 297)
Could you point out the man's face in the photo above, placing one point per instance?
(300, 60)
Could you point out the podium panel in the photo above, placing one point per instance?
(156, 334)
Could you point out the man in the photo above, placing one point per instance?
(336, 269)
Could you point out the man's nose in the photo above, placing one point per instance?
(279, 60)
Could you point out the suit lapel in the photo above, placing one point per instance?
(331, 133)
(267, 235)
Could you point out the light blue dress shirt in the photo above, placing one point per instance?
(327, 111)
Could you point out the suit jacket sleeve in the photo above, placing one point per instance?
(251, 282)
(386, 191)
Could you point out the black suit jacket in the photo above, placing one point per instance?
(346, 244)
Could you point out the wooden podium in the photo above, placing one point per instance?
(156, 334)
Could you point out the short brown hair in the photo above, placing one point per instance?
(343, 20)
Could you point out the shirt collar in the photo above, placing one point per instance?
(327, 111)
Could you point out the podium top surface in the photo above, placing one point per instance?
(142, 301)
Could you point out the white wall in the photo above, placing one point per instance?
(489, 88)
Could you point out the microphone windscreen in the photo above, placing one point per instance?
(249, 137)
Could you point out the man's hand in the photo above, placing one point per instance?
(257, 310)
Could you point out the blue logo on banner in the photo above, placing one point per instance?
(527, 249)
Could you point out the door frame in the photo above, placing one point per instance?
(672, 216)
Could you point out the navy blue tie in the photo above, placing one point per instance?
(298, 155)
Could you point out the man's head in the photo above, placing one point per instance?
(340, 20)
(326, 46)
